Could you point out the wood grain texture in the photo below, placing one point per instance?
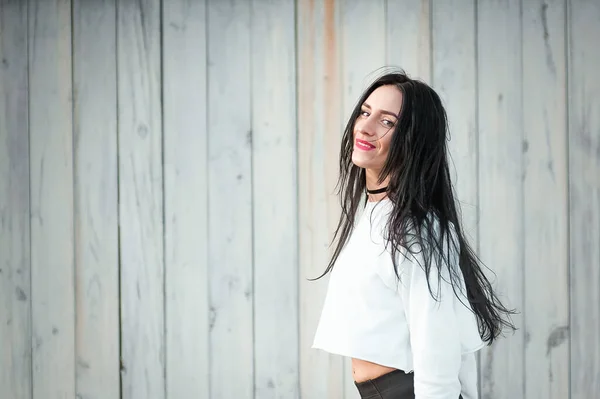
(546, 306)
(96, 200)
(501, 185)
(230, 200)
(275, 204)
(408, 40)
(15, 290)
(319, 116)
(584, 195)
(363, 56)
(454, 78)
(141, 200)
(363, 50)
(81, 131)
(51, 185)
(185, 194)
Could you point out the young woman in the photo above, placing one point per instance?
(407, 299)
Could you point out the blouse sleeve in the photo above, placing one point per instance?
(434, 333)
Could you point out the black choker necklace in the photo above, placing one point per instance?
(378, 191)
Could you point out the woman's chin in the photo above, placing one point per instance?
(360, 160)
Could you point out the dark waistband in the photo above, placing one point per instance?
(397, 380)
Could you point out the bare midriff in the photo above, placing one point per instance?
(363, 370)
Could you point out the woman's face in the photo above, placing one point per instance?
(374, 127)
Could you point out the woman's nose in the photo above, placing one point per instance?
(366, 127)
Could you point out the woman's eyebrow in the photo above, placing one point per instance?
(383, 111)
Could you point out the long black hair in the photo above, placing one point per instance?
(424, 209)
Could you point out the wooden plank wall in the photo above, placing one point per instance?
(230, 241)
(185, 164)
(15, 231)
(52, 213)
(167, 175)
(141, 219)
(584, 196)
(274, 200)
(319, 111)
(545, 200)
(96, 199)
(500, 189)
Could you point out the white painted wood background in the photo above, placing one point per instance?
(167, 171)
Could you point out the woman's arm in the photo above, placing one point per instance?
(434, 333)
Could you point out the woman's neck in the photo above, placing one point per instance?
(372, 177)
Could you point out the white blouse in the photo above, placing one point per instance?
(368, 314)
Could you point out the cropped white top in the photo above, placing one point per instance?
(369, 314)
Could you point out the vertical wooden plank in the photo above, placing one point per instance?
(584, 195)
(186, 213)
(274, 168)
(51, 168)
(363, 55)
(230, 200)
(408, 40)
(500, 184)
(96, 199)
(363, 50)
(454, 77)
(319, 116)
(546, 309)
(141, 199)
(15, 292)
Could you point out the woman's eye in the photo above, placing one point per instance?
(364, 113)
(388, 123)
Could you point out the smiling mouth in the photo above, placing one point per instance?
(364, 145)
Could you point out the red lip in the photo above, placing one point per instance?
(364, 145)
